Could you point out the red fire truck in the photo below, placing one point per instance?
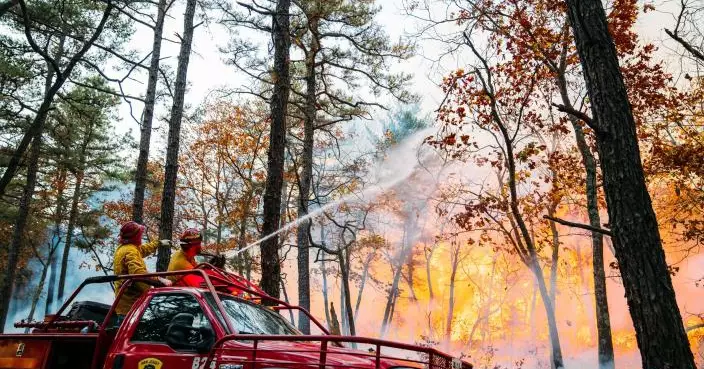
(225, 322)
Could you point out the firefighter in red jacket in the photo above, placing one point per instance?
(185, 259)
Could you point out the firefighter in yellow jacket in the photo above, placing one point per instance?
(185, 259)
(129, 259)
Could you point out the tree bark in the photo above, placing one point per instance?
(305, 178)
(409, 278)
(556, 352)
(171, 168)
(428, 276)
(72, 218)
(18, 233)
(362, 284)
(601, 302)
(324, 275)
(651, 298)
(388, 314)
(335, 324)
(343, 308)
(349, 312)
(290, 312)
(451, 302)
(554, 257)
(271, 269)
(140, 178)
(58, 219)
(40, 288)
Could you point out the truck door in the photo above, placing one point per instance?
(144, 345)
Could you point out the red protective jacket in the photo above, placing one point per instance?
(194, 280)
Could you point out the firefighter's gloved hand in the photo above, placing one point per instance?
(165, 243)
(165, 282)
(218, 261)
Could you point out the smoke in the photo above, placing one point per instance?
(80, 266)
(398, 165)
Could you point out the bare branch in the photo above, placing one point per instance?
(696, 53)
(575, 113)
(579, 225)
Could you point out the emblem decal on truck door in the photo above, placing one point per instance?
(150, 363)
(20, 350)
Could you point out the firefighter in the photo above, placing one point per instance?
(185, 259)
(129, 259)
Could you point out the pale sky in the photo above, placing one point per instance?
(207, 71)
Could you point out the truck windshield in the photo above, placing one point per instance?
(250, 318)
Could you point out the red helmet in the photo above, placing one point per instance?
(131, 232)
(191, 237)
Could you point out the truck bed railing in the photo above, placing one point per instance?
(383, 354)
(213, 283)
(129, 279)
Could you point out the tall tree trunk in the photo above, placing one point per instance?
(305, 177)
(171, 168)
(392, 310)
(18, 233)
(344, 270)
(388, 314)
(140, 177)
(40, 286)
(37, 294)
(428, 276)
(601, 303)
(36, 130)
(290, 312)
(271, 270)
(343, 306)
(335, 324)
(656, 317)
(555, 256)
(529, 255)
(556, 352)
(58, 219)
(72, 218)
(362, 284)
(451, 302)
(51, 287)
(531, 317)
(242, 243)
(324, 275)
(409, 278)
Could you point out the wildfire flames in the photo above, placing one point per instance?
(497, 313)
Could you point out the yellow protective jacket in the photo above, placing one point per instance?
(179, 261)
(129, 259)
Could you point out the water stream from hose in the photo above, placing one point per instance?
(399, 164)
